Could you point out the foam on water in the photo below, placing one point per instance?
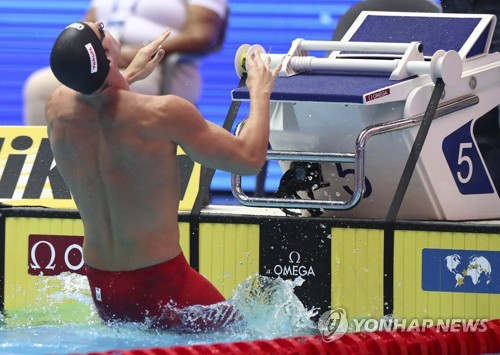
(68, 322)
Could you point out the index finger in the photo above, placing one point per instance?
(160, 39)
(250, 59)
(276, 70)
(256, 57)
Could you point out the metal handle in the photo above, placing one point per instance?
(292, 203)
(280, 155)
(357, 158)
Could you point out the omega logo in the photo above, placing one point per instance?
(378, 94)
(291, 256)
(293, 268)
(35, 264)
(53, 255)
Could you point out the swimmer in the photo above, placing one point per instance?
(116, 151)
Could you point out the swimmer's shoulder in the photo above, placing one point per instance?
(62, 92)
(58, 102)
(56, 95)
(176, 106)
(167, 107)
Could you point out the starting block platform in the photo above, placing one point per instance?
(398, 89)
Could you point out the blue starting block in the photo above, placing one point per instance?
(359, 113)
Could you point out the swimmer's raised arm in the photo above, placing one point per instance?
(213, 146)
(146, 59)
(260, 84)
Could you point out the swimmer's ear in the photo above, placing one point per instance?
(109, 57)
(111, 62)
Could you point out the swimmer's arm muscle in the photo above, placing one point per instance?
(213, 146)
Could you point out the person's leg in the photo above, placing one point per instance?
(185, 81)
(150, 85)
(37, 89)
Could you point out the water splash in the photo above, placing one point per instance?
(64, 320)
(62, 299)
(271, 309)
(261, 308)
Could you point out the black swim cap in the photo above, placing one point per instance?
(78, 59)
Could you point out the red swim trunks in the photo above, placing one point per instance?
(170, 295)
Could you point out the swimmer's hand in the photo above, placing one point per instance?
(146, 60)
(260, 80)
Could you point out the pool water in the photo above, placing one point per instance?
(69, 322)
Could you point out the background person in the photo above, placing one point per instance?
(197, 26)
(117, 152)
(350, 16)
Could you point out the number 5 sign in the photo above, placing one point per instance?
(465, 162)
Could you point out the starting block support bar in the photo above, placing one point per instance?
(445, 65)
(376, 47)
(313, 64)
